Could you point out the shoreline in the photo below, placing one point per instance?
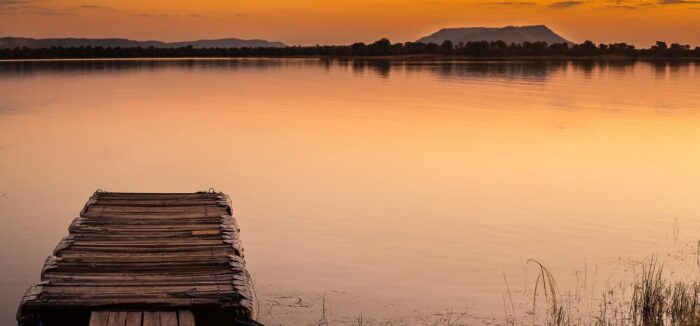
(407, 57)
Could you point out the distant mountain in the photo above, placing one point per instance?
(13, 42)
(509, 34)
(228, 43)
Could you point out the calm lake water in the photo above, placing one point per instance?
(401, 191)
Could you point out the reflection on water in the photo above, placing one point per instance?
(532, 70)
(397, 188)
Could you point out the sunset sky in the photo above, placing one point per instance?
(308, 22)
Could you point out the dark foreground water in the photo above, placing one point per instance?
(400, 190)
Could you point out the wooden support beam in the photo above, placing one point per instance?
(117, 318)
(185, 318)
(168, 318)
(99, 318)
(133, 318)
(151, 318)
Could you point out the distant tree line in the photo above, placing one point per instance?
(381, 47)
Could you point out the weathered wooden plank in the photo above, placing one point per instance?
(152, 224)
(125, 259)
(168, 318)
(159, 197)
(139, 266)
(174, 277)
(146, 302)
(111, 256)
(106, 267)
(211, 212)
(116, 318)
(117, 222)
(158, 236)
(190, 284)
(162, 281)
(158, 299)
(151, 318)
(146, 219)
(146, 243)
(185, 318)
(136, 291)
(165, 253)
(163, 225)
(99, 318)
(143, 275)
(170, 247)
(133, 318)
(133, 249)
(208, 208)
(137, 262)
(156, 231)
(115, 194)
(171, 239)
(156, 202)
(149, 217)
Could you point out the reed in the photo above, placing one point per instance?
(556, 315)
(360, 321)
(683, 307)
(654, 301)
(649, 296)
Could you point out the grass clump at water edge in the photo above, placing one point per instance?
(657, 302)
(654, 300)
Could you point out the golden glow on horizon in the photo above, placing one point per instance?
(345, 21)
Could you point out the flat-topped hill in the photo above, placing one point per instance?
(509, 34)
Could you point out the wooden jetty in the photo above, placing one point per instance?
(145, 259)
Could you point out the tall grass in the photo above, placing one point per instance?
(654, 301)
(649, 299)
(556, 315)
(684, 307)
(657, 302)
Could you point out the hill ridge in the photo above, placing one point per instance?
(230, 42)
(508, 34)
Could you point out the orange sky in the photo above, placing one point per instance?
(345, 21)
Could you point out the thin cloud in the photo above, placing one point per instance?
(10, 3)
(512, 3)
(622, 5)
(151, 15)
(678, 2)
(93, 6)
(155, 15)
(565, 4)
(25, 7)
(29, 10)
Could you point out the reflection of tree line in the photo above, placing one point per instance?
(463, 69)
(531, 70)
(524, 69)
(381, 47)
(113, 66)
